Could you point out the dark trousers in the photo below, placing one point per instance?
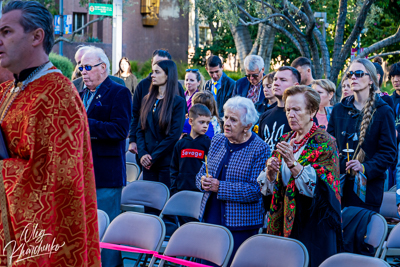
(109, 200)
(159, 174)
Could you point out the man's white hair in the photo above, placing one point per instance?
(249, 114)
(102, 57)
(83, 48)
(253, 62)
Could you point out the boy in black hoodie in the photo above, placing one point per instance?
(189, 152)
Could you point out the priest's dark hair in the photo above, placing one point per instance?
(34, 16)
(170, 69)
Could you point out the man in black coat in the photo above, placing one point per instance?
(108, 106)
(141, 91)
(251, 85)
(220, 85)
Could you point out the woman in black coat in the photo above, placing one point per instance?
(162, 116)
(366, 123)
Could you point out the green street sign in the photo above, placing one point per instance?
(101, 9)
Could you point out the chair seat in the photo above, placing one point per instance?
(136, 208)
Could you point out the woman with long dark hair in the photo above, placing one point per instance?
(162, 116)
(125, 73)
(364, 128)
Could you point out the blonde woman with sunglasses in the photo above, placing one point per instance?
(364, 123)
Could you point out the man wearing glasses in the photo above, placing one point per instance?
(78, 82)
(251, 85)
(109, 107)
(220, 85)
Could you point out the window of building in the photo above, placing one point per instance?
(79, 21)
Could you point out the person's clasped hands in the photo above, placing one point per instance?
(285, 149)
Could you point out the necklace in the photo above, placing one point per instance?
(304, 140)
(5, 104)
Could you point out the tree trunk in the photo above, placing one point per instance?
(243, 43)
(267, 47)
(338, 43)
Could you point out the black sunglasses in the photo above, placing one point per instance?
(252, 75)
(88, 67)
(357, 73)
(195, 70)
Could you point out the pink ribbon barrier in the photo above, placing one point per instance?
(180, 261)
(145, 251)
(126, 248)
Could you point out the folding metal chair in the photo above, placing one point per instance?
(138, 230)
(104, 221)
(391, 247)
(130, 157)
(353, 260)
(209, 242)
(132, 172)
(389, 207)
(144, 193)
(269, 250)
(183, 203)
(376, 233)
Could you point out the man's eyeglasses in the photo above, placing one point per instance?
(88, 67)
(357, 73)
(192, 70)
(252, 75)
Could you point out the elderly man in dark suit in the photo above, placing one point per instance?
(79, 84)
(220, 85)
(251, 86)
(108, 106)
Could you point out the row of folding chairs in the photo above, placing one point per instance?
(214, 243)
(197, 240)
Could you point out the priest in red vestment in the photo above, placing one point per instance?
(47, 186)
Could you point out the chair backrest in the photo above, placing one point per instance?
(268, 250)
(132, 171)
(146, 193)
(376, 232)
(130, 157)
(393, 240)
(389, 207)
(200, 240)
(353, 260)
(104, 221)
(183, 203)
(136, 229)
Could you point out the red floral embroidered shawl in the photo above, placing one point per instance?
(320, 151)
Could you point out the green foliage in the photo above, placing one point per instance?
(62, 63)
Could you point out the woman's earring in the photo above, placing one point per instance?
(244, 136)
(311, 119)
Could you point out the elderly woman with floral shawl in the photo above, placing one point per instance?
(303, 178)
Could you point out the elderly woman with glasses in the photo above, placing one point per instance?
(194, 83)
(363, 125)
(232, 196)
(303, 179)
